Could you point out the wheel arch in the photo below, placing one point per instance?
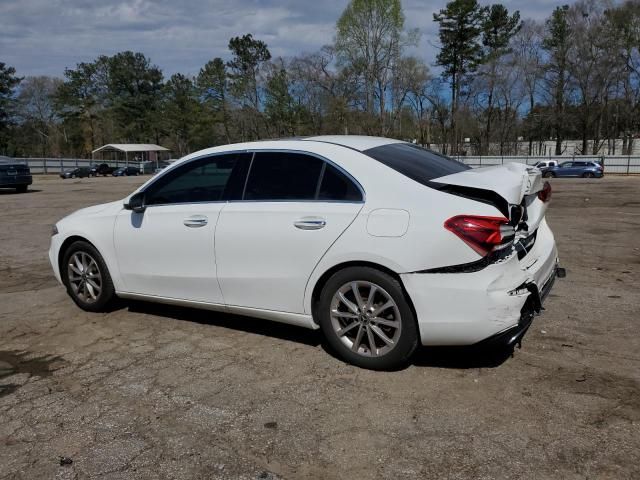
(67, 243)
(322, 280)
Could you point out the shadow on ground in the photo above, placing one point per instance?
(236, 322)
(15, 362)
(438, 357)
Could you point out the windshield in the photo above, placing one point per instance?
(415, 162)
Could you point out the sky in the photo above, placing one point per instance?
(43, 37)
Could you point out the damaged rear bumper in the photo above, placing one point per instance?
(533, 306)
(497, 301)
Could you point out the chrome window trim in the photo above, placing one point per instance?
(253, 152)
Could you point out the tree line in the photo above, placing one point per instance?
(505, 85)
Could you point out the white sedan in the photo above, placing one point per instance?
(379, 243)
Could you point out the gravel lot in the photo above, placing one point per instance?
(150, 391)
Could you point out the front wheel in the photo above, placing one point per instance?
(367, 319)
(86, 277)
(549, 174)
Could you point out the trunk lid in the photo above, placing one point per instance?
(511, 181)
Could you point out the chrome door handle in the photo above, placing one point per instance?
(310, 223)
(195, 221)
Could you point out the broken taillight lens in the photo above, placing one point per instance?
(545, 193)
(483, 234)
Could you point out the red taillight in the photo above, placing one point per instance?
(483, 234)
(545, 193)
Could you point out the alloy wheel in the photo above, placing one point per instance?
(85, 277)
(365, 318)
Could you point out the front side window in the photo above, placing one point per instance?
(415, 162)
(211, 179)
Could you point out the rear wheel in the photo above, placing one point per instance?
(588, 175)
(366, 318)
(21, 189)
(86, 277)
(549, 174)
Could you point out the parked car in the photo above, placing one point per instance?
(379, 243)
(126, 171)
(79, 172)
(103, 169)
(546, 164)
(578, 168)
(14, 174)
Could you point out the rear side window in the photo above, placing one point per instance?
(415, 162)
(283, 176)
(296, 176)
(335, 185)
(210, 179)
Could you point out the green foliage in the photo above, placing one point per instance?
(248, 55)
(498, 28)
(8, 83)
(279, 106)
(556, 42)
(134, 88)
(460, 26)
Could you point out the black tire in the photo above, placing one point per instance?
(549, 174)
(107, 292)
(588, 175)
(404, 345)
(73, 176)
(22, 189)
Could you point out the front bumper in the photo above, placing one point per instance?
(467, 308)
(54, 249)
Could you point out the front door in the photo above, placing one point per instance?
(294, 207)
(168, 250)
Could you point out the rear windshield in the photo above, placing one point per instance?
(415, 162)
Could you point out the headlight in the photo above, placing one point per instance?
(54, 230)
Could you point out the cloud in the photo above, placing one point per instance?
(43, 37)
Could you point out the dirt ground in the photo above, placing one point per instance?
(150, 391)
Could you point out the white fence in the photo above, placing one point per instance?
(57, 165)
(613, 164)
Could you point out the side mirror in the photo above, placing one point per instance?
(136, 203)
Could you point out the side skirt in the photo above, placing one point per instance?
(297, 319)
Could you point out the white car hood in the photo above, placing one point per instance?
(103, 207)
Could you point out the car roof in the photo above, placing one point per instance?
(356, 142)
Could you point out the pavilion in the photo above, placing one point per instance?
(134, 152)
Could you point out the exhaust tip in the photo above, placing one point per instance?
(561, 272)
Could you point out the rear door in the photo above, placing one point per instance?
(567, 169)
(294, 207)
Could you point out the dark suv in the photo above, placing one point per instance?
(14, 175)
(103, 169)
